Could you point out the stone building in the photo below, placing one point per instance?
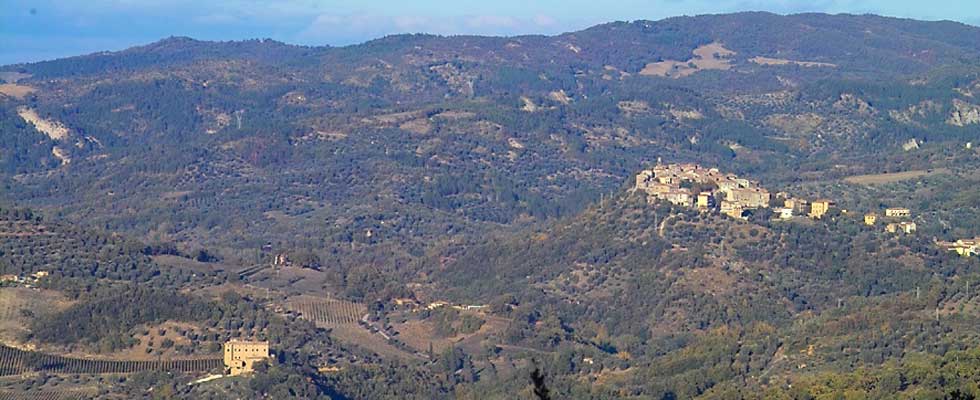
(905, 227)
(820, 207)
(240, 356)
(706, 201)
(799, 206)
(870, 219)
(897, 212)
(681, 197)
(963, 247)
(732, 209)
(749, 197)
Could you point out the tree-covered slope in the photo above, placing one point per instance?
(702, 305)
(493, 170)
(466, 131)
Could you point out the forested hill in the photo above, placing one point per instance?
(493, 171)
(855, 42)
(447, 134)
(705, 305)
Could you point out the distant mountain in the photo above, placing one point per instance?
(853, 41)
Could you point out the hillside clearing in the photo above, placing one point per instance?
(707, 57)
(16, 91)
(781, 61)
(878, 179)
(19, 305)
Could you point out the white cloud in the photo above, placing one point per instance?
(410, 23)
(544, 20)
(484, 22)
(224, 19)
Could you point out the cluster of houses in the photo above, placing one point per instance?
(963, 247)
(895, 218)
(691, 185)
(793, 207)
(26, 280)
(416, 305)
(708, 189)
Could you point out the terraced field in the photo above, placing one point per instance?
(15, 362)
(342, 317)
(48, 395)
(327, 312)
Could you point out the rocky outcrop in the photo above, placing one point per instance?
(850, 102)
(459, 80)
(912, 144)
(560, 96)
(915, 112)
(683, 114)
(964, 114)
(632, 107)
(53, 129)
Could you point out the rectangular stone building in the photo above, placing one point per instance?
(897, 212)
(241, 356)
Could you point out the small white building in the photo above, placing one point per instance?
(897, 212)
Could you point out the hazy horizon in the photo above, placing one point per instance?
(46, 30)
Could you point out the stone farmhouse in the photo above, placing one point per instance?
(906, 227)
(963, 247)
(240, 356)
(897, 212)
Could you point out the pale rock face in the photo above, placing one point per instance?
(686, 114)
(61, 155)
(851, 102)
(53, 129)
(912, 144)
(964, 114)
(459, 80)
(916, 111)
(528, 104)
(560, 96)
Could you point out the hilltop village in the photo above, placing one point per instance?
(709, 190)
(691, 185)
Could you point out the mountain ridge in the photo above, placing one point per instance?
(973, 32)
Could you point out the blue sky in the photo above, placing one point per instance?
(47, 29)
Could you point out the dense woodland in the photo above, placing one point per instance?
(495, 171)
